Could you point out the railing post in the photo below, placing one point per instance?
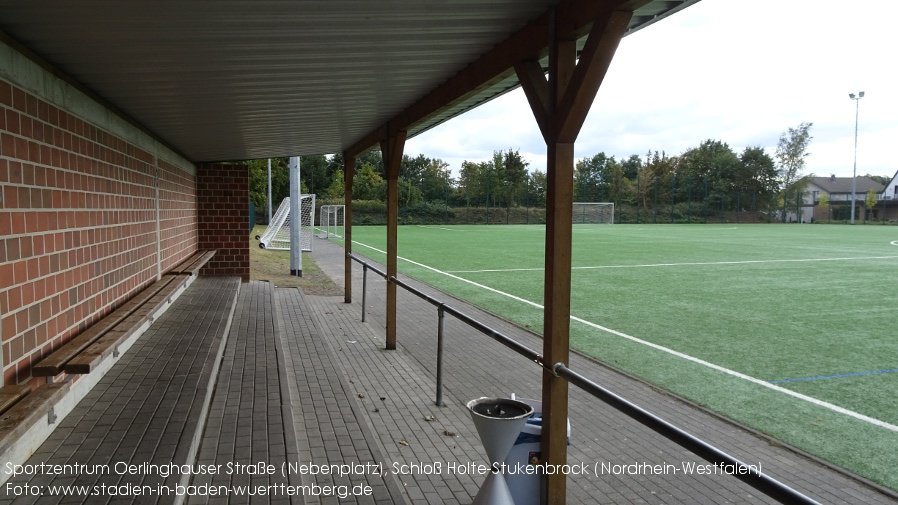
(364, 289)
(441, 314)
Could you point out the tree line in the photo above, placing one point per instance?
(711, 177)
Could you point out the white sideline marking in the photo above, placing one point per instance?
(894, 242)
(652, 265)
(759, 382)
(436, 227)
(447, 274)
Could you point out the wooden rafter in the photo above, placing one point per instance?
(595, 58)
(529, 43)
(536, 89)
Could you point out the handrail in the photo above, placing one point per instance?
(482, 328)
(490, 332)
(746, 473)
(367, 265)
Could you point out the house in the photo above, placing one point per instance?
(838, 191)
(890, 192)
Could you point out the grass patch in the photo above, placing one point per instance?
(274, 266)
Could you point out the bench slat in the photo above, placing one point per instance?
(27, 411)
(194, 263)
(54, 364)
(207, 256)
(184, 265)
(92, 356)
(11, 394)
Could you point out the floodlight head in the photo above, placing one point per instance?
(860, 95)
(851, 95)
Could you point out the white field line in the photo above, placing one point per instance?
(653, 265)
(753, 380)
(894, 242)
(438, 228)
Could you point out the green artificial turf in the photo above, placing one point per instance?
(769, 301)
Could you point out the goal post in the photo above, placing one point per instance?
(277, 235)
(593, 213)
(331, 221)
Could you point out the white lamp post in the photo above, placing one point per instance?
(857, 105)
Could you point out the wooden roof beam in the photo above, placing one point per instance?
(530, 43)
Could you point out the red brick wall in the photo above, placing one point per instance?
(177, 215)
(78, 225)
(223, 218)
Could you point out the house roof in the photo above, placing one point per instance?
(251, 79)
(843, 184)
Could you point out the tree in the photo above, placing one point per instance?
(791, 153)
(436, 180)
(368, 184)
(882, 179)
(515, 176)
(714, 165)
(537, 189)
(335, 190)
(824, 203)
(870, 202)
(495, 178)
(469, 181)
(759, 178)
(631, 166)
(313, 171)
(280, 182)
(593, 178)
(374, 158)
(655, 178)
(258, 182)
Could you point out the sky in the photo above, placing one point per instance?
(739, 71)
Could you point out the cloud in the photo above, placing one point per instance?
(739, 71)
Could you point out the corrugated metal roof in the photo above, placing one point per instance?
(251, 79)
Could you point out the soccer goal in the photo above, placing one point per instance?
(331, 219)
(277, 235)
(593, 213)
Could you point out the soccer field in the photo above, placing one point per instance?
(789, 329)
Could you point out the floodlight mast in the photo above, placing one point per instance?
(857, 105)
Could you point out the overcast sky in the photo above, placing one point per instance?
(738, 71)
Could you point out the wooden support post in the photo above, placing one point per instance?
(557, 295)
(560, 106)
(391, 148)
(348, 173)
(556, 323)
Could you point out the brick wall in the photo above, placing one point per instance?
(223, 218)
(177, 215)
(79, 227)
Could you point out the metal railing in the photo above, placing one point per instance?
(746, 473)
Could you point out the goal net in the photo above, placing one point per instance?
(331, 221)
(277, 235)
(593, 213)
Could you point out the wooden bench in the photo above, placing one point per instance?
(93, 345)
(108, 344)
(193, 264)
(11, 394)
(88, 359)
(26, 417)
(53, 364)
(28, 411)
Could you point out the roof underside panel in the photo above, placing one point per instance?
(241, 80)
